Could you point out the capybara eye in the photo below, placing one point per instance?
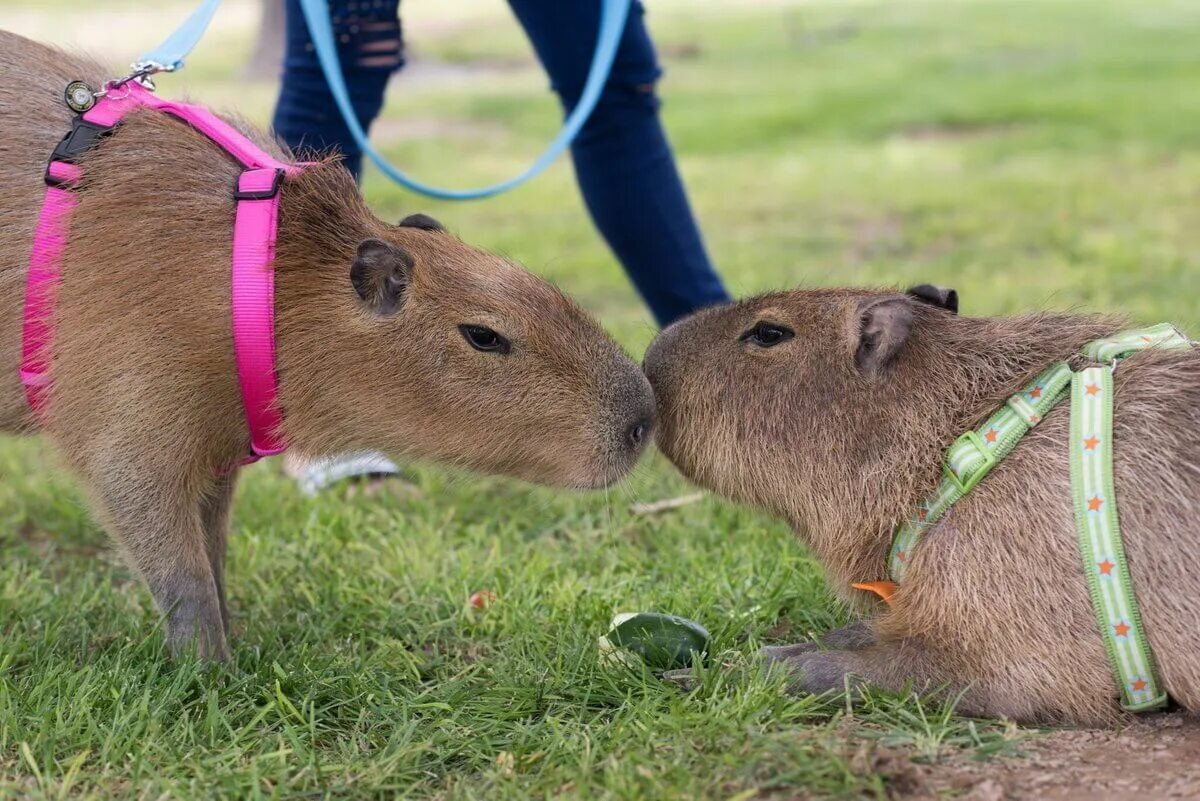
(484, 339)
(767, 335)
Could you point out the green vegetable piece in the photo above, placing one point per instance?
(664, 642)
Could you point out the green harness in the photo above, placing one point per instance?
(975, 453)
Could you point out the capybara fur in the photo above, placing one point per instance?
(834, 408)
(372, 327)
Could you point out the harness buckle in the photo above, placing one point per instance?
(82, 136)
(968, 460)
(258, 193)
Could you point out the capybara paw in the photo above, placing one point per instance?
(199, 634)
(812, 671)
(781, 653)
(208, 648)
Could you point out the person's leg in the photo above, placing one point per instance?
(370, 50)
(623, 162)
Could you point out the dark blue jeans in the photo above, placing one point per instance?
(623, 162)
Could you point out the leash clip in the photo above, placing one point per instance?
(140, 72)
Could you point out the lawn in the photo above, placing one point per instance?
(1030, 153)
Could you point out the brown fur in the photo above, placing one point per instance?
(145, 402)
(995, 601)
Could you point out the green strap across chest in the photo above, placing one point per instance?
(975, 453)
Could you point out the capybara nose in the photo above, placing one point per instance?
(639, 432)
(633, 423)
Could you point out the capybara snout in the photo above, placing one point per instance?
(630, 418)
(478, 362)
(733, 375)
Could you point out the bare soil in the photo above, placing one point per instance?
(1155, 757)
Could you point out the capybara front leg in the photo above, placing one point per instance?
(214, 516)
(849, 637)
(884, 665)
(160, 529)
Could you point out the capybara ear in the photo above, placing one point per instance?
(935, 296)
(422, 221)
(884, 325)
(380, 275)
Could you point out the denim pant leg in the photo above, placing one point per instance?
(623, 162)
(370, 49)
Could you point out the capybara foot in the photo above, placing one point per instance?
(196, 626)
(782, 653)
(848, 637)
(814, 672)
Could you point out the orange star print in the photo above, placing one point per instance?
(1095, 503)
(1121, 629)
(1090, 443)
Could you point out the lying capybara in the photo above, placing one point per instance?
(392, 337)
(834, 409)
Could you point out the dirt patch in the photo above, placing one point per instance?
(958, 132)
(1156, 757)
(803, 36)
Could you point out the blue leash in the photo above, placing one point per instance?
(169, 56)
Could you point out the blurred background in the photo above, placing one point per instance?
(1030, 153)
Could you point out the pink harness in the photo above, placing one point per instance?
(253, 276)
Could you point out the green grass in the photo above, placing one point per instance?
(1029, 153)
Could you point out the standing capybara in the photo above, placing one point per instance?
(834, 409)
(392, 337)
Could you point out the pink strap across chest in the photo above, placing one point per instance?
(253, 276)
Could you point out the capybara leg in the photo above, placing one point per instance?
(849, 637)
(161, 531)
(884, 665)
(214, 516)
(898, 666)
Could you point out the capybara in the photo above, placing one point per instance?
(399, 338)
(833, 408)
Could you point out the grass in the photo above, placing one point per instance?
(1031, 154)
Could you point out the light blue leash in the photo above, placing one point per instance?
(169, 56)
